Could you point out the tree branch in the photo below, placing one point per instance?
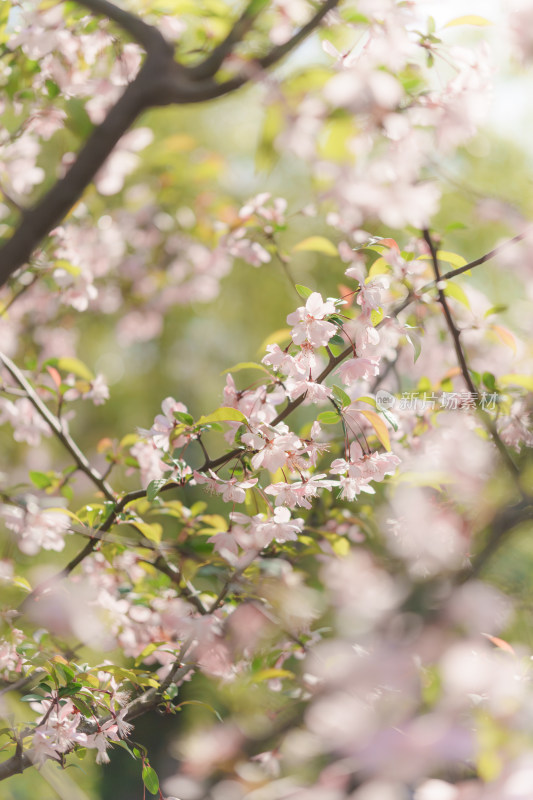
(160, 81)
(500, 527)
(212, 90)
(65, 438)
(148, 36)
(456, 333)
(487, 257)
(209, 67)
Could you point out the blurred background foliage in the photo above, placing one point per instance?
(205, 162)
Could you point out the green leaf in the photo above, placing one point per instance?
(414, 340)
(73, 365)
(148, 650)
(455, 291)
(369, 400)
(316, 244)
(469, 19)
(32, 697)
(337, 340)
(303, 291)
(186, 419)
(390, 419)
(52, 88)
(150, 779)
(269, 674)
(200, 703)
(341, 396)
(154, 487)
(379, 267)
(255, 7)
(276, 337)
(245, 365)
(152, 531)
(490, 381)
(378, 425)
(40, 479)
(445, 255)
(526, 381)
(495, 310)
(376, 315)
(329, 418)
(223, 414)
(353, 16)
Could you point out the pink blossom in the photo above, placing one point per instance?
(356, 369)
(28, 425)
(36, 528)
(282, 361)
(309, 323)
(99, 391)
(273, 446)
(164, 425)
(232, 490)
(58, 733)
(150, 461)
(314, 392)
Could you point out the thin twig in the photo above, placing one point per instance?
(65, 438)
(210, 66)
(186, 589)
(485, 418)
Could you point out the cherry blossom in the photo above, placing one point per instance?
(36, 528)
(309, 324)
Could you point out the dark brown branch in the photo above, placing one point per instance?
(452, 327)
(210, 66)
(501, 526)
(175, 575)
(15, 765)
(275, 55)
(289, 408)
(146, 35)
(487, 257)
(161, 81)
(66, 440)
(485, 418)
(91, 544)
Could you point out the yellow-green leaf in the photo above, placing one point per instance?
(277, 337)
(379, 267)
(340, 546)
(270, 674)
(245, 365)
(455, 291)
(151, 531)
(526, 381)
(469, 19)
(148, 650)
(75, 366)
(129, 439)
(445, 255)
(224, 414)
(215, 522)
(317, 244)
(432, 478)
(369, 400)
(506, 336)
(379, 426)
(68, 513)
(18, 580)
